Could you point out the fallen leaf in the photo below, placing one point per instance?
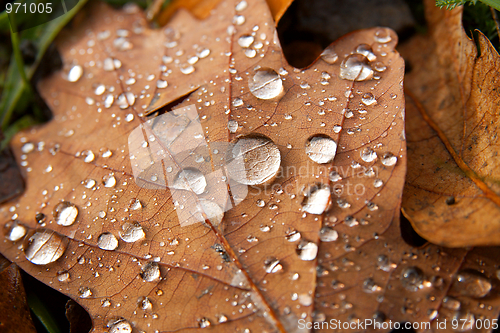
(130, 211)
(15, 313)
(452, 192)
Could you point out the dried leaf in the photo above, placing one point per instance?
(138, 212)
(15, 313)
(452, 194)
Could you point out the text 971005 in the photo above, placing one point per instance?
(25, 8)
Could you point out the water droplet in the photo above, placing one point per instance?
(107, 241)
(135, 204)
(109, 180)
(187, 69)
(204, 323)
(125, 100)
(232, 126)
(382, 36)
(238, 19)
(383, 263)
(378, 183)
(161, 84)
(14, 230)
(253, 160)
(321, 149)
(28, 148)
(190, 179)
(334, 176)
(84, 292)
(328, 234)
(307, 250)
(368, 155)
(237, 102)
(272, 265)
(266, 84)
(355, 67)
(120, 326)
(245, 40)
(329, 55)
(369, 286)
(366, 50)
(242, 5)
(368, 99)
(222, 318)
(100, 89)
(65, 213)
(412, 278)
(471, 283)
(317, 200)
(202, 52)
(132, 232)
(451, 303)
(145, 303)
(379, 66)
(75, 73)
(44, 247)
(293, 236)
(389, 159)
(63, 276)
(108, 101)
(150, 272)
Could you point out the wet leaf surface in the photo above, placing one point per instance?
(452, 195)
(266, 196)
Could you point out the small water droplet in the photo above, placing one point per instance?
(204, 323)
(120, 326)
(378, 183)
(84, 292)
(161, 84)
(232, 126)
(190, 179)
(89, 156)
(132, 232)
(329, 55)
(109, 180)
(150, 272)
(307, 250)
(145, 303)
(65, 213)
(272, 265)
(107, 241)
(368, 99)
(369, 286)
(253, 160)
(237, 102)
(260, 203)
(63, 276)
(293, 236)
(389, 159)
(14, 230)
(328, 234)
(355, 68)
(245, 40)
(28, 148)
(187, 69)
(368, 155)
(412, 278)
(317, 200)
(321, 149)
(75, 73)
(44, 247)
(242, 5)
(471, 283)
(266, 84)
(108, 101)
(202, 52)
(366, 50)
(383, 36)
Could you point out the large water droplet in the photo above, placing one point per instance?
(190, 179)
(44, 247)
(412, 278)
(150, 272)
(471, 283)
(321, 149)
(317, 200)
(266, 84)
(253, 160)
(132, 232)
(65, 213)
(107, 241)
(382, 35)
(329, 55)
(75, 73)
(245, 40)
(14, 230)
(355, 67)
